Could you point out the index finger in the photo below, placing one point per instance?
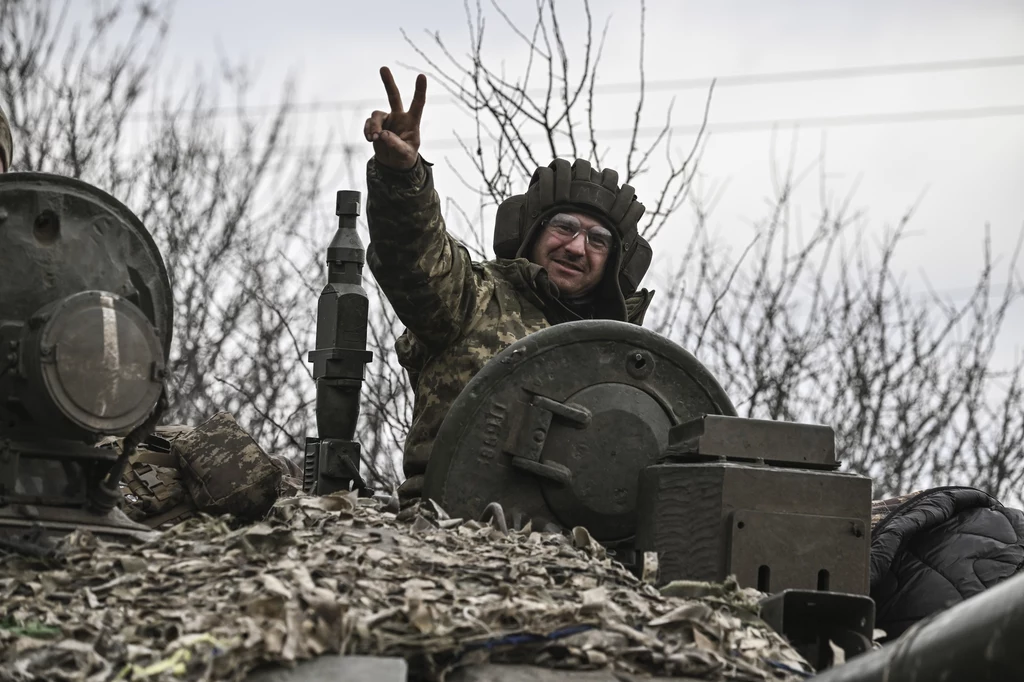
(394, 98)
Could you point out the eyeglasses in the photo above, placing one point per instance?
(567, 228)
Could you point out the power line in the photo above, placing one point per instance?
(836, 121)
(729, 127)
(822, 74)
(738, 80)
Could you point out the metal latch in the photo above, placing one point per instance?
(528, 427)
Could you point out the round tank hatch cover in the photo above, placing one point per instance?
(102, 363)
(557, 427)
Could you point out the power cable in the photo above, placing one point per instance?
(821, 74)
(728, 127)
(738, 80)
(834, 121)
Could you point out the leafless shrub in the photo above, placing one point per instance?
(68, 91)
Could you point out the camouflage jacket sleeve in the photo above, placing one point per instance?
(425, 273)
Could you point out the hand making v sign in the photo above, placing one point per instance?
(396, 135)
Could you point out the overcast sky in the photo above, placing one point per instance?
(968, 171)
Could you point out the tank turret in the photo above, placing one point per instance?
(85, 329)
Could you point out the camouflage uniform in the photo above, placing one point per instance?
(458, 313)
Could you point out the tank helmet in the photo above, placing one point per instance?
(6, 143)
(579, 187)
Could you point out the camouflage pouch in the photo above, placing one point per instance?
(156, 488)
(225, 471)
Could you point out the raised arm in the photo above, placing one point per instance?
(425, 273)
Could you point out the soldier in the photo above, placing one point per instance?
(567, 249)
(6, 144)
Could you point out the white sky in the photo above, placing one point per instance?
(970, 171)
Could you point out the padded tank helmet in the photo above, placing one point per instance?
(579, 187)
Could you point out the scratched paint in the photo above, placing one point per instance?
(111, 351)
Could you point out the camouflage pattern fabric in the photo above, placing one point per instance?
(340, 574)
(458, 313)
(6, 143)
(216, 468)
(157, 494)
(225, 470)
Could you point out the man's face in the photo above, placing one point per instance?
(573, 248)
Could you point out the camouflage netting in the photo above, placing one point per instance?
(206, 601)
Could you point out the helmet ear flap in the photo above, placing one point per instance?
(508, 223)
(634, 265)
